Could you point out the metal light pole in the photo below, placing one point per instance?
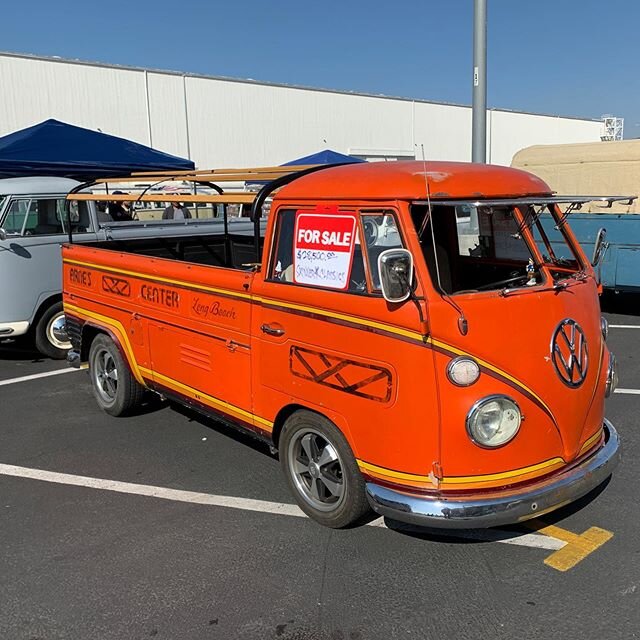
(479, 105)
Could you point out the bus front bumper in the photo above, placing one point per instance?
(510, 506)
(13, 329)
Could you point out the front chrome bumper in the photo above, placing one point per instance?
(502, 507)
(13, 329)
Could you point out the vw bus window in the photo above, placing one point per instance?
(552, 242)
(380, 232)
(14, 219)
(465, 257)
(318, 249)
(45, 216)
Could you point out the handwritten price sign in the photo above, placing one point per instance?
(323, 249)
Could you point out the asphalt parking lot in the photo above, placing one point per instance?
(167, 525)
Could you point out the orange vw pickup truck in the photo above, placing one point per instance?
(407, 335)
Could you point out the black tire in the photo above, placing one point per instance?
(333, 492)
(45, 340)
(116, 391)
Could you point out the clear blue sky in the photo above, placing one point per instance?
(570, 57)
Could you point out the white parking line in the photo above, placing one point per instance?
(535, 540)
(631, 391)
(624, 326)
(35, 376)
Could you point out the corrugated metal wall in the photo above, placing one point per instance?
(221, 122)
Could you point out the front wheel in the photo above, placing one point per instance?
(50, 333)
(321, 471)
(115, 389)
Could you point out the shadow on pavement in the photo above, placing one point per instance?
(223, 428)
(20, 350)
(622, 303)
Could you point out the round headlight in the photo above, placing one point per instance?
(604, 327)
(463, 371)
(493, 421)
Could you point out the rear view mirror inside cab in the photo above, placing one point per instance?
(395, 267)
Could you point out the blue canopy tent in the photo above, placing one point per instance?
(327, 156)
(54, 148)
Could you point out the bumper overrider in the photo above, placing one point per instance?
(506, 507)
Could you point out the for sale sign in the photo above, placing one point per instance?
(323, 249)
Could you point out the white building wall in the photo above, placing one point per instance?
(508, 132)
(218, 122)
(108, 99)
(167, 120)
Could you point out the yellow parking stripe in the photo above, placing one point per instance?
(578, 546)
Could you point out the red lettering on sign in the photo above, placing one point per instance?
(325, 232)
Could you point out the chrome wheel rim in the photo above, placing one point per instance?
(105, 375)
(57, 332)
(316, 470)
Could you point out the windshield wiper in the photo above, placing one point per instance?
(558, 285)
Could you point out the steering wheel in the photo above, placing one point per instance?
(503, 282)
(370, 232)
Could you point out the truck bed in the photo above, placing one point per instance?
(233, 250)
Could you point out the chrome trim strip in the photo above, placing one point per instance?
(533, 200)
(500, 507)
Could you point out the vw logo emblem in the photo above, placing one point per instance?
(569, 353)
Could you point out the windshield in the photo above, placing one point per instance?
(550, 239)
(485, 248)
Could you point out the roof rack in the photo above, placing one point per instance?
(269, 179)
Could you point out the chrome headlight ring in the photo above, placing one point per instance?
(463, 371)
(493, 421)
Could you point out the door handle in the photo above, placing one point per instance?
(272, 331)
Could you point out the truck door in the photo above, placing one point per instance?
(327, 340)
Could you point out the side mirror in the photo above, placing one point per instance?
(3, 234)
(600, 247)
(395, 267)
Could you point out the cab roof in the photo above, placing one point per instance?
(36, 185)
(405, 180)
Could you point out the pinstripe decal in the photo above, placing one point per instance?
(356, 322)
(141, 372)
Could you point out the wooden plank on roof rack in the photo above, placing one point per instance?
(227, 198)
(245, 176)
(286, 169)
(236, 177)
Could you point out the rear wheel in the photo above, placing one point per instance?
(321, 470)
(50, 334)
(115, 389)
